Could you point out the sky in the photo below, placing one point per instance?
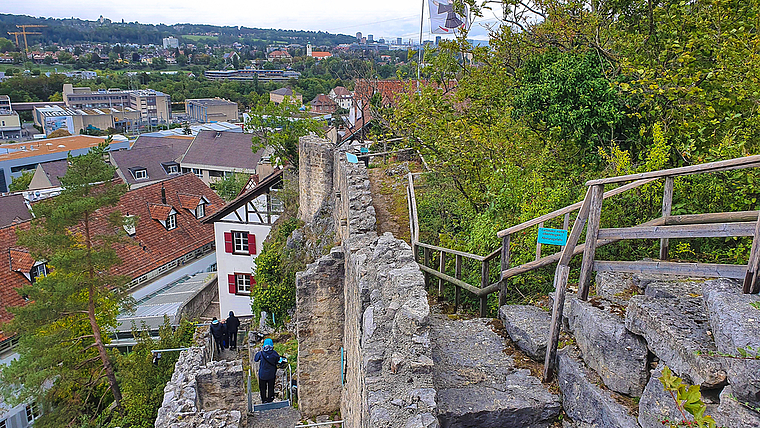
(383, 19)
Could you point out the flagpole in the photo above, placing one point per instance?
(419, 63)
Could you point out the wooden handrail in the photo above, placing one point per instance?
(724, 165)
(570, 208)
(450, 251)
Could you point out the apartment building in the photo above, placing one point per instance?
(78, 120)
(211, 110)
(154, 106)
(10, 124)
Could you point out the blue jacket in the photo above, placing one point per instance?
(268, 366)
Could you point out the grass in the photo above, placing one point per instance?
(199, 38)
(44, 68)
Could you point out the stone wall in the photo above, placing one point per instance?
(319, 327)
(315, 172)
(192, 396)
(197, 304)
(385, 314)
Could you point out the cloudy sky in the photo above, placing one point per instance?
(387, 18)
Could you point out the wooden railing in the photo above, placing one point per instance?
(725, 224)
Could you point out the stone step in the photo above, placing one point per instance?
(528, 327)
(270, 406)
(284, 417)
(583, 400)
(478, 385)
(678, 332)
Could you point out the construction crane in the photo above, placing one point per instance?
(23, 32)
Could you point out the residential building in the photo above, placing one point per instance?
(252, 74)
(171, 42)
(48, 175)
(316, 54)
(279, 95)
(19, 157)
(240, 229)
(342, 96)
(153, 106)
(150, 159)
(79, 120)
(83, 74)
(280, 55)
(14, 209)
(213, 154)
(10, 123)
(323, 104)
(211, 110)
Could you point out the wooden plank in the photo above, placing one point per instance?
(426, 262)
(538, 244)
(493, 255)
(575, 234)
(442, 268)
(458, 276)
(471, 288)
(453, 252)
(713, 230)
(569, 209)
(416, 235)
(738, 163)
(565, 226)
(730, 217)
(709, 270)
(560, 288)
(754, 260)
(667, 204)
(592, 231)
(505, 255)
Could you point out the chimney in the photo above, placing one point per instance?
(163, 194)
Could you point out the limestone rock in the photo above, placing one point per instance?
(528, 327)
(677, 331)
(657, 405)
(617, 355)
(478, 385)
(735, 324)
(733, 414)
(583, 400)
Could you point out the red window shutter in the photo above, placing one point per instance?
(228, 242)
(232, 283)
(251, 243)
(251, 280)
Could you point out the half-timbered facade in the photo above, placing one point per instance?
(239, 232)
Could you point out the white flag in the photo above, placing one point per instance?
(443, 18)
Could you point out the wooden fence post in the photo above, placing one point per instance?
(484, 284)
(592, 232)
(442, 268)
(750, 280)
(560, 286)
(426, 262)
(505, 254)
(667, 205)
(457, 289)
(538, 244)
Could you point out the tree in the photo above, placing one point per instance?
(279, 127)
(61, 132)
(21, 183)
(63, 359)
(230, 186)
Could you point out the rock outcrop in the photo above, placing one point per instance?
(527, 326)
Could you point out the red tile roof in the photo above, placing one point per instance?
(21, 260)
(189, 202)
(159, 211)
(10, 280)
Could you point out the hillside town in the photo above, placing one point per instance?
(544, 218)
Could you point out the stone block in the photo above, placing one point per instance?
(733, 414)
(735, 324)
(479, 386)
(616, 354)
(677, 332)
(584, 401)
(528, 327)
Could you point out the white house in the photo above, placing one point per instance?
(239, 232)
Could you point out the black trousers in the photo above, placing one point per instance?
(232, 343)
(266, 389)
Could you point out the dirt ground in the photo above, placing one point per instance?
(389, 197)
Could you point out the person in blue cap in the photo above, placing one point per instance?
(267, 370)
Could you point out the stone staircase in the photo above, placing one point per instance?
(629, 330)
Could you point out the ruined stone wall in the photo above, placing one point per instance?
(195, 307)
(319, 327)
(203, 393)
(315, 172)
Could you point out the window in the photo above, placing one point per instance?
(32, 412)
(171, 222)
(200, 210)
(172, 169)
(140, 174)
(38, 271)
(243, 281)
(239, 243)
(198, 172)
(3, 424)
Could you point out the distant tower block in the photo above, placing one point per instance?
(359, 37)
(370, 38)
(308, 49)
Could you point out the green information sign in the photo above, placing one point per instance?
(552, 236)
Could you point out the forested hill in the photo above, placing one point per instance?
(72, 30)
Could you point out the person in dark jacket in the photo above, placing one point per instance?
(267, 370)
(218, 332)
(232, 328)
